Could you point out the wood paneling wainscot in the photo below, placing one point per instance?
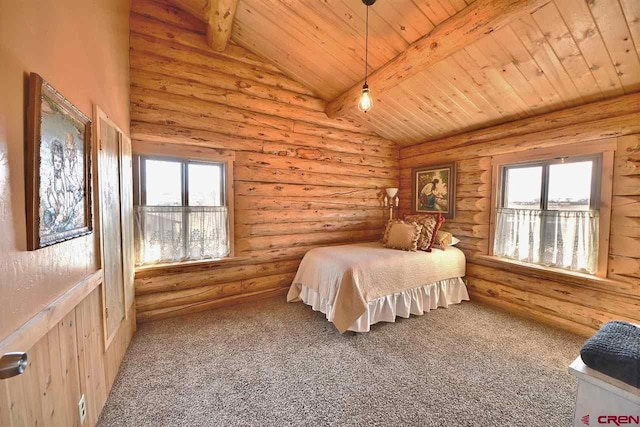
(67, 359)
(579, 303)
(300, 179)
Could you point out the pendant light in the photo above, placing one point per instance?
(366, 101)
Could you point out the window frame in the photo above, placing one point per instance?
(193, 154)
(596, 171)
(603, 149)
(184, 173)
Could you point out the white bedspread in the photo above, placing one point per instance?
(349, 277)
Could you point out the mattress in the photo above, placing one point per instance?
(351, 283)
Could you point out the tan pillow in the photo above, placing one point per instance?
(443, 239)
(430, 225)
(385, 236)
(403, 236)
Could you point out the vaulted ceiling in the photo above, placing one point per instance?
(562, 54)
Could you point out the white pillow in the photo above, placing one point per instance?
(454, 241)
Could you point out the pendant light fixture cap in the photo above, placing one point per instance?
(368, 2)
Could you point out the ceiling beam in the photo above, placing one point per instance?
(469, 25)
(219, 17)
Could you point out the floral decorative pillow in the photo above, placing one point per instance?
(430, 225)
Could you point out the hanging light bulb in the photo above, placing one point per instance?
(366, 101)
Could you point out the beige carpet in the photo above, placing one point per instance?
(275, 364)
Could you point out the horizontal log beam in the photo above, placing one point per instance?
(322, 227)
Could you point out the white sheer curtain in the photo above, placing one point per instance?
(563, 239)
(177, 233)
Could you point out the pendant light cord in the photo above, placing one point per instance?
(366, 49)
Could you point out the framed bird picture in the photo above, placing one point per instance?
(58, 162)
(434, 189)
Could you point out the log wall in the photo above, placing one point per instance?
(578, 304)
(301, 179)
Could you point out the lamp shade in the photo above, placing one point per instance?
(391, 192)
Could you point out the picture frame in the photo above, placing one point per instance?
(433, 189)
(57, 167)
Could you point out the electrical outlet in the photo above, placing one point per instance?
(82, 409)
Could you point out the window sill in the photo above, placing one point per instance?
(556, 274)
(188, 265)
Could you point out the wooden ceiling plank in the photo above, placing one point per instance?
(386, 125)
(440, 97)
(448, 7)
(220, 16)
(290, 41)
(380, 50)
(354, 40)
(409, 123)
(409, 113)
(424, 90)
(458, 4)
(480, 78)
(631, 9)
(561, 40)
(535, 42)
(578, 19)
(434, 17)
(498, 79)
(460, 30)
(322, 39)
(456, 77)
(440, 12)
(522, 59)
(247, 36)
(437, 119)
(417, 96)
(302, 74)
(615, 32)
(504, 63)
(379, 29)
(399, 115)
(457, 98)
(434, 119)
(408, 22)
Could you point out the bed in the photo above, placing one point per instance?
(358, 285)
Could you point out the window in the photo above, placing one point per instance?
(182, 211)
(548, 212)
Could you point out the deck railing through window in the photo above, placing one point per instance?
(555, 238)
(181, 233)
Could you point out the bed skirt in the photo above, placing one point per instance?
(415, 301)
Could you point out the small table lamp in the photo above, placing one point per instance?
(391, 200)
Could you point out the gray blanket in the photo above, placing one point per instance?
(615, 351)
